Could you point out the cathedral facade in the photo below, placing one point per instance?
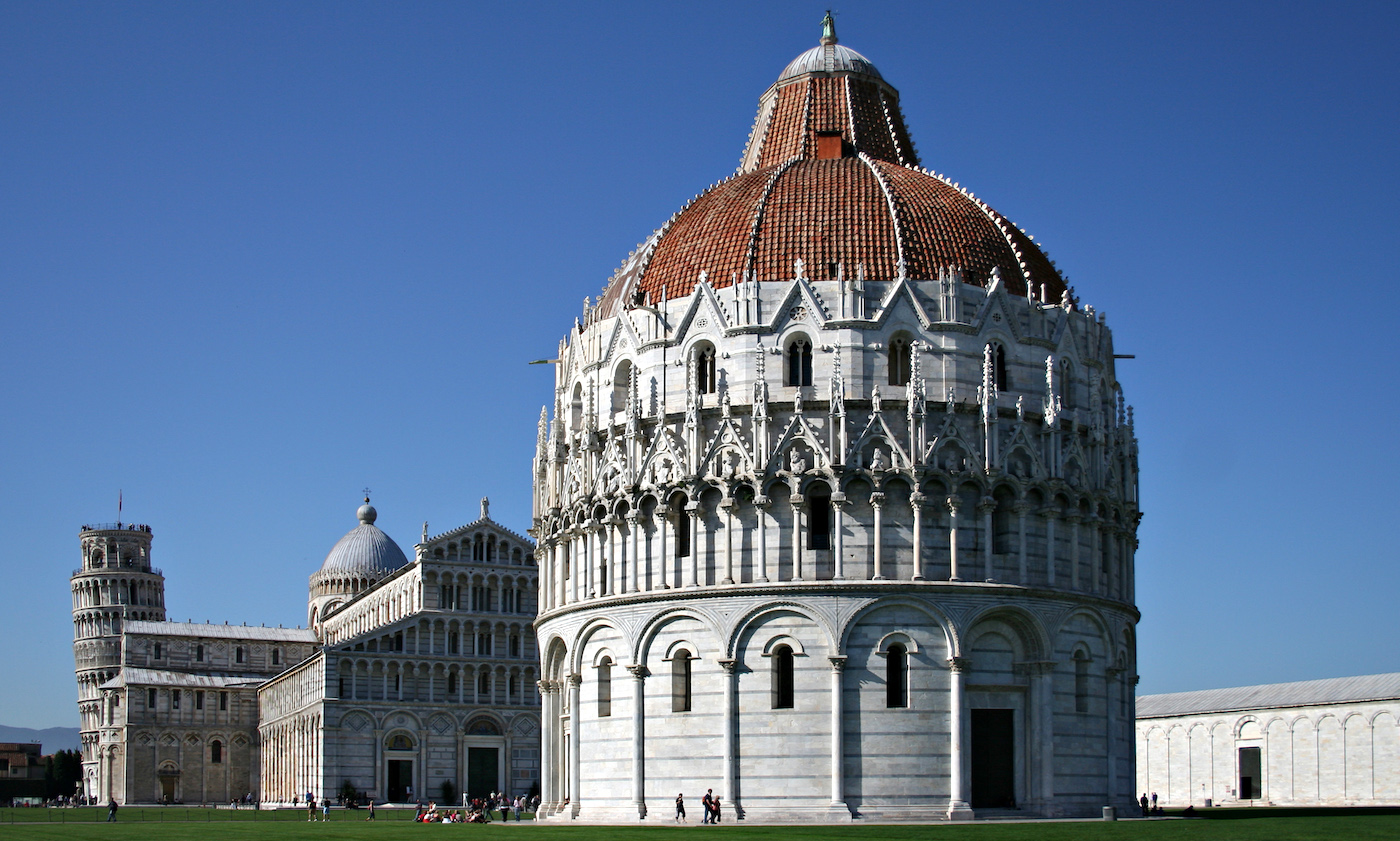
(837, 507)
(412, 680)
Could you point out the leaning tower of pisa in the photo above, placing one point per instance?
(115, 583)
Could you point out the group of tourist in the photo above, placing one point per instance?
(709, 804)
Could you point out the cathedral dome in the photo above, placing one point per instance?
(831, 177)
(365, 550)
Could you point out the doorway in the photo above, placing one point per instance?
(1251, 776)
(483, 769)
(167, 789)
(993, 759)
(400, 780)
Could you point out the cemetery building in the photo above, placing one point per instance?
(837, 505)
(1333, 742)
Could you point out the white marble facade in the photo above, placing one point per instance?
(834, 544)
(1333, 742)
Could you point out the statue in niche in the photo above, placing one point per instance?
(877, 460)
(796, 463)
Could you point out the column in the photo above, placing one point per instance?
(572, 548)
(1020, 510)
(953, 504)
(838, 516)
(985, 509)
(760, 504)
(916, 500)
(662, 539)
(592, 586)
(575, 751)
(548, 723)
(692, 510)
(838, 740)
(639, 739)
(797, 535)
(1049, 514)
(731, 754)
(1074, 521)
(1095, 563)
(612, 551)
(1112, 679)
(959, 758)
(1043, 696)
(634, 556)
(728, 542)
(877, 504)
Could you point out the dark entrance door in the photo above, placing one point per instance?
(993, 759)
(400, 778)
(482, 768)
(1251, 774)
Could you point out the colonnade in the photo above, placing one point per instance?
(561, 780)
(667, 547)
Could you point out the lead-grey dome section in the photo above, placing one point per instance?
(829, 58)
(365, 550)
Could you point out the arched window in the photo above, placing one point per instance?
(999, 367)
(400, 742)
(705, 369)
(576, 408)
(483, 686)
(819, 518)
(452, 683)
(216, 752)
(238, 654)
(1081, 682)
(896, 676)
(515, 645)
(622, 384)
(782, 677)
(682, 528)
(899, 361)
(680, 681)
(276, 656)
(1066, 383)
(799, 362)
(605, 687)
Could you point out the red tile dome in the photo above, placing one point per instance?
(830, 177)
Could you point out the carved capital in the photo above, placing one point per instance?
(987, 505)
(877, 499)
(728, 664)
(838, 663)
(639, 671)
(917, 498)
(961, 665)
(953, 505)
(575, 679)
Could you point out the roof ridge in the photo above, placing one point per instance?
(752, 252)
(900, 265)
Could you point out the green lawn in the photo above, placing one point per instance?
(350, 825)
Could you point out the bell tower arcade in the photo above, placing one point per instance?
(116, 583)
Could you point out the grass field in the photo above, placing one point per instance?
(350, 825)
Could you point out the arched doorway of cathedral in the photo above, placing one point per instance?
(484, 743)
(168, 778)
(400, 751)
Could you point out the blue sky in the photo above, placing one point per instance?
(255, 257)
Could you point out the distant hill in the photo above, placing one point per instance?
(53, 738)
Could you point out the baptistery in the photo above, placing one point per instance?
(837, 507)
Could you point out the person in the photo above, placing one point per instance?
(371, 810)
(310, 808)
(519, 806)
(707, 805)
(715, 819)
(112, 810)
(325, 808)
(1154, 801)
(680, 807)
(1142, 801)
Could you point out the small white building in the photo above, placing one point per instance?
(1329, 742)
